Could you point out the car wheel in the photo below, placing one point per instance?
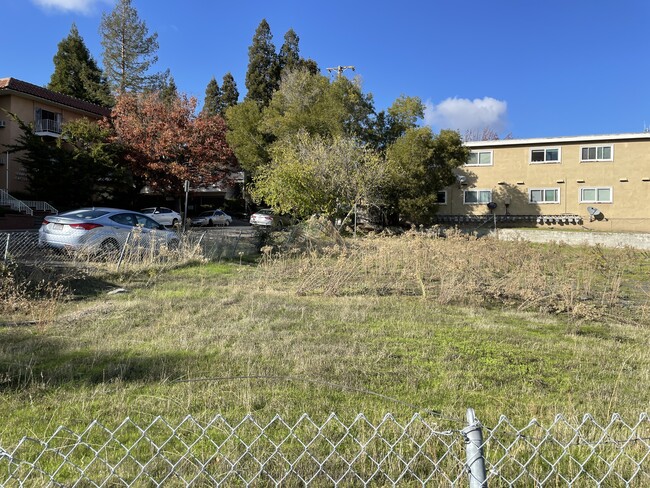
(174, 222)
(109, 249)
(210, 223)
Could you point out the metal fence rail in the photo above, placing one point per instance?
(333, 452)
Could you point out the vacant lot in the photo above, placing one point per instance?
(383, 324)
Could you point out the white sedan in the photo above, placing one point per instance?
(212, 217)
(163, 215)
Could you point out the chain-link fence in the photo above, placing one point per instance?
(333, 452)
(213, 244)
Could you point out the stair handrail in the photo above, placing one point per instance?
(14, 203)
(41, 206)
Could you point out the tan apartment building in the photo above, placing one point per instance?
(46, 110)
(597, 182)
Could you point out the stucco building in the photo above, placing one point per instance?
(597, 182)
(46, 110)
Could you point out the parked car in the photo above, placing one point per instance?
(212, 217)
(268, 218)
(102, 230)
(163, 215)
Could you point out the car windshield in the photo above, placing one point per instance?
(206, 214)
(148, 210)
(266, 211)
(85, 214)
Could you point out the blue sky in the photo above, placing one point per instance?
(529, 68)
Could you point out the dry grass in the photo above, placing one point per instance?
(459, 269)
(29, 297)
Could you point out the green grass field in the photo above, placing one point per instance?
(399, 325)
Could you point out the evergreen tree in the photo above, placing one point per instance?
(169, 92)
(81, 161)
(129, 51)
(389, 126)
(419, 163)
(289, 57)
(76, 73)
(310, 65)
(263, 75)
(229, 93)
(213, 105)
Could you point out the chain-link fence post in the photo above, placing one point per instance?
(123, 250)
(6, 247)
(474, 450)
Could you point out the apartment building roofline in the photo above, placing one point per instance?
(13, 85)
(560, 140)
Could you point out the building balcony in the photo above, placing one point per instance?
(47, 127)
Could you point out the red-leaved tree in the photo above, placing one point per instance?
(165, 143)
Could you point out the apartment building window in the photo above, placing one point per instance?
(596, 195)
(480, 158)
(477, 196)
(441, 197)
(545, 155)
(597, 153)
(544, 195)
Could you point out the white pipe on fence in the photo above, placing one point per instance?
(474, 450)
(7, 247)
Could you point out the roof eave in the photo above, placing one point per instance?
(559, 140)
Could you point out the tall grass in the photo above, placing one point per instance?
(460, 269)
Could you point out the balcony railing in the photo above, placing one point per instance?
(48, 126)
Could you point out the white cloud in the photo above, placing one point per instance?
(81, 6)
(463, 114)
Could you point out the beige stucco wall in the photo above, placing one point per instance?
(25, 109)
(6, 137)
(513, 175)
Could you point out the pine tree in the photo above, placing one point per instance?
(129, 51)
(212, 104)
(229, 93)
(289, 57)
(169, 92)
(262, 77)
(310, 66)
(76, 73)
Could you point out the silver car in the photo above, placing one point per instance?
(163, 215)
(212, 217)
(102, 230)
(268, 218)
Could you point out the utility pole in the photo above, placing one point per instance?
(340, 70)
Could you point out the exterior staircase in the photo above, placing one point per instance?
(25, 215)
